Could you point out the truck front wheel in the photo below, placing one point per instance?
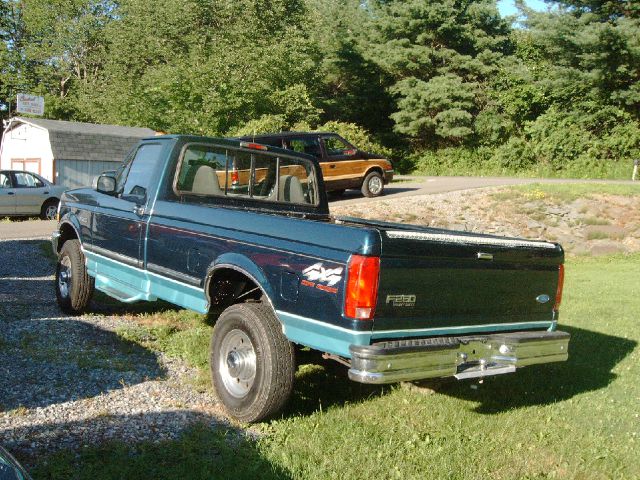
(252, 363)
(74, 287)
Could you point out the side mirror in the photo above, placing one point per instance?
(105, 184)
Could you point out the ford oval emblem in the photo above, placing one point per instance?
(544, 298)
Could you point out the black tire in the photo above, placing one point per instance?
(49, 210)
(252, 363)
(373, 185)
(74, 287)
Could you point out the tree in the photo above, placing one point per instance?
(441, 55)
(205, 67)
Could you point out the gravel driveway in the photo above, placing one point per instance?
(67, 382)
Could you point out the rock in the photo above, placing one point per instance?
(533, 225)
(606, 248)
(556, 211)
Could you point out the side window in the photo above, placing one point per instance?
(5, 181)
(335, 147)
(26, 180)
(308, 145)
(140, 172)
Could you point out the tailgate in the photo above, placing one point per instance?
(442, 282)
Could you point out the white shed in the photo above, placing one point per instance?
(66, 153)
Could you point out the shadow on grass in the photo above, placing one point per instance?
(321, 384)
(592, 357)
(185, 445)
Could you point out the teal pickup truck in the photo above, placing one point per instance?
(242, 231)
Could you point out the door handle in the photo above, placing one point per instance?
(138, 210)
(45, 193)
(10, 193)
(333, 165)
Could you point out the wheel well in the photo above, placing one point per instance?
(67, 232)
(228, 286)
(373, 169)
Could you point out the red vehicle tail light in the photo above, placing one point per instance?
(253, 146)
(556, 307)
(234, 177)
(362, 287)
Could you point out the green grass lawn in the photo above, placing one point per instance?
(577, 420)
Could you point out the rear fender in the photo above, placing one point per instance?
(247, 267)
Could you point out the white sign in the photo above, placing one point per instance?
(30, 104)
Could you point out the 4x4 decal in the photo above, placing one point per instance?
(322, 278)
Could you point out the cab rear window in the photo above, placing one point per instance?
(209, 171)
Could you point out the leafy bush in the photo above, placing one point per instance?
(578, 144)
(356, 135)
(455, 161)
(264, 124)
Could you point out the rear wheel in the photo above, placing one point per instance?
(252, 363)
(373, 185)
(74, 287)
(49, 210)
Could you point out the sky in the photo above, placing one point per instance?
(507, 7)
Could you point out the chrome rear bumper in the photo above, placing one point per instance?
(460, 357)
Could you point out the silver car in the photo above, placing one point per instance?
(28, 194)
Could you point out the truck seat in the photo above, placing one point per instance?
(205, 182)
(291, 189)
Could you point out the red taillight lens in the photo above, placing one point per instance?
(362, 287)
(235, 179)
(556, 307)
(253, 146)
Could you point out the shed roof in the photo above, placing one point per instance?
(87, 141)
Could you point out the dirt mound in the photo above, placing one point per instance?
(596, 224)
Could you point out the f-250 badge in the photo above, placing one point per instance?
(401, 300)
(322, 278)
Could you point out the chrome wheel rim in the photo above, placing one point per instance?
(50, 212)
(64, 277)
(375, 185)
(237, 363)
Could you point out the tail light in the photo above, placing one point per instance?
(362, 287)
(253, 146)
(235, 179)
(556, 307)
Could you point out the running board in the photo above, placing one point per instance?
(121, 292)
